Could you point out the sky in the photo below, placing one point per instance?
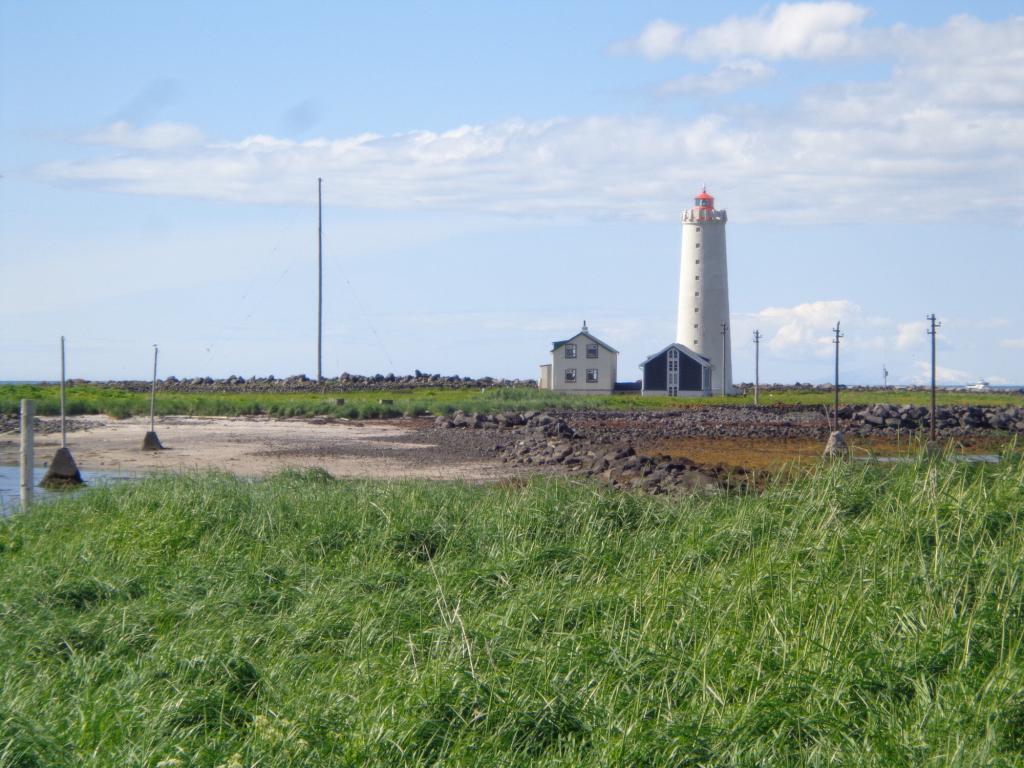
(494, 174)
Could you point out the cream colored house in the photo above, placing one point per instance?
(582, 364)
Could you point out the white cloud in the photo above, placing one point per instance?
(805, 328)
(725, 78)
(947, 376)
(1012, 343)
(794, 30)
(943, 135)
(911, 335)
(153, 137)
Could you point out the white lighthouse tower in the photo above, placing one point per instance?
(704, 290)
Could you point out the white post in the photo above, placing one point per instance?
(27, 457)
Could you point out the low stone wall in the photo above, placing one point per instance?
(951, 420)
(302, 383)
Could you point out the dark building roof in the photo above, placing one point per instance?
(682, 348)
(557, 344)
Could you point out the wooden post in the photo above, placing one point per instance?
(933, 326)
(725, 347)
(27, 457)
(757, 367)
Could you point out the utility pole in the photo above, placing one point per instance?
(319, 279)
(725, 347)
(757, 366)
(838, 335)
(932, 332)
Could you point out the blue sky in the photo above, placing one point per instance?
(494, 174)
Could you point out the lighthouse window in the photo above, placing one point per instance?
(591, 375)
(697, 277)
(698, 229)
(694, 341)
(696, 325)
(696, 309)
(592, 351)
(570, 375)
(696, 293)
(697, 245)
(570, 353)
(697, 261)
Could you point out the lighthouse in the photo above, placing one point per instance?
(703, 322)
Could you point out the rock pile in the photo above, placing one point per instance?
(950, 420)
(12, 423)
(546, 440)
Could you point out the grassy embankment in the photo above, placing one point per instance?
(860, 616)
(88, 399)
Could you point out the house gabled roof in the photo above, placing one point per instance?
(682, 348)
(557, 344)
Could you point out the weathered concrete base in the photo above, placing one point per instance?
(151, 442)
(62, 472)
(836, 448)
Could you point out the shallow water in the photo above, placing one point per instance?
(966, 458)
(10, 500)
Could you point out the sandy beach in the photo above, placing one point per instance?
(255, 446)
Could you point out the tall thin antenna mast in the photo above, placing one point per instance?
(319, 280)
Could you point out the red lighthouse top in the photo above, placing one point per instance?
(703, 205)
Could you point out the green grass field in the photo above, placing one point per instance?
(90, 399)
(862, 615)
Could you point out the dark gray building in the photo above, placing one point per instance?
(677, 372)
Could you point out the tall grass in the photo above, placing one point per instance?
(119, 403)
(860, 616)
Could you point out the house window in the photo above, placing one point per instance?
(591, 375)
(570, 354)
(592, 351)
(570, 375)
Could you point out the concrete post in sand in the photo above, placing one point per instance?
(151, 442)
(836, 448)
(62, 472)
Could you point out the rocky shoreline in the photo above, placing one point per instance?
(602, 444)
